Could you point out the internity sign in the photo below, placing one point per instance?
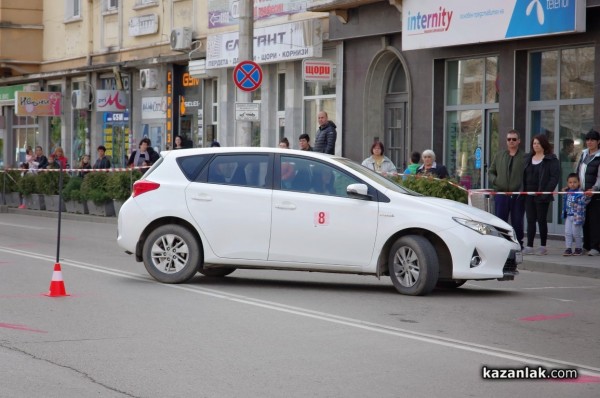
(431, 23)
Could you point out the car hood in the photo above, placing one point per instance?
(464, 211)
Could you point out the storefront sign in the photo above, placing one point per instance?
(37, 103)
(249, 112)
(154, 107)
(296, 40)
(317, 70)
(227, 12)
(143, 25)
(429, 23)
(111, 101)
(7, 93)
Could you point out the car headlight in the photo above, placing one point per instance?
(477, 226)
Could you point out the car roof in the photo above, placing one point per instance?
(239, 149)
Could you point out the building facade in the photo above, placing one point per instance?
(128, 69)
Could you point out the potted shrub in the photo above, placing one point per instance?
(28, 188)
(10, 187)
(432, 187)
(93, 191)
(47, 184)
(119, 186)
(72, 196)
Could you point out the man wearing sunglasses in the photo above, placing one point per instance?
(506, 175)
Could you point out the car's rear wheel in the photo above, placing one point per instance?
(172, 254)
(216, 272)
(450, 284)
(413, 265)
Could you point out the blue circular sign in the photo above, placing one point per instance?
(247, 75)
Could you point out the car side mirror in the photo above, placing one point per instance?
(358, 191)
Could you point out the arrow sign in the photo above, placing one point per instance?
(247, 75)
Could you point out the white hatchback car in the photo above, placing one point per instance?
(212, 210)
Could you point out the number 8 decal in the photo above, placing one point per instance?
(321, 218)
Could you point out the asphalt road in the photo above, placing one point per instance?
(271, 333)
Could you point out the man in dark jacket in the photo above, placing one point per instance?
(103, 162)
(326, 135)
(506, 175)
(40, 158)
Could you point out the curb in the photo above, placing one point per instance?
(64, 215)
(562, 269)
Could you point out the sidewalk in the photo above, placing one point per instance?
(553, 262)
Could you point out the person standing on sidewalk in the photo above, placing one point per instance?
(574, 215)
(326, 135)
(506, 175)
(588, 170)
(541, 174)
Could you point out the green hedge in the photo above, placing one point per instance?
(47, 182)
(431, 187)
(118, 185)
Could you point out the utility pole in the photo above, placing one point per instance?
(243, 128)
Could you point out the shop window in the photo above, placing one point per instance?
(320, 96)
(472, 81)
(543, 76)
(472, 97)
(577, 73)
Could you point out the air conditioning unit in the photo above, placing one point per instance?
(80, 99)
(148, 79)
(181, 39)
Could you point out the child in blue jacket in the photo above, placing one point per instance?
(574, 215)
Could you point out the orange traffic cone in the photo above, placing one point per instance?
(57, 285)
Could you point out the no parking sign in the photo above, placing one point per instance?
(247, 75)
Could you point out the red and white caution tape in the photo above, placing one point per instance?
(85, 170)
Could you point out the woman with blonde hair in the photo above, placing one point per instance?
(430, 167)
(59, 156)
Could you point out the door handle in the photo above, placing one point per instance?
(202, 197)
(286, 206)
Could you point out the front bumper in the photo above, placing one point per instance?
(515, 257)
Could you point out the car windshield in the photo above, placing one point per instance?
(370, 174)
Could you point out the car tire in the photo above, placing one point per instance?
(450, 284)
(216, 272)
(172, 254)
(413, 265)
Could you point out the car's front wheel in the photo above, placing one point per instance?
(172, 254)
(413, 265)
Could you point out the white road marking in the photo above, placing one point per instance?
(21, 226)
(516, 356)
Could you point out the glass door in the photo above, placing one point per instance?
(491, 145)
(545, 121)
(395, 133)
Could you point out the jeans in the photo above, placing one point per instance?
(573, 232)
(514, 207)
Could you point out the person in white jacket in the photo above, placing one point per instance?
(378, 162)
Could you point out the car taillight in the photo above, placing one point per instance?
(143, 186)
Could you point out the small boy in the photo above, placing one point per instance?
(574, 215)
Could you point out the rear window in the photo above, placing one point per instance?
(192, 165)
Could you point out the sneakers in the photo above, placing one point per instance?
(593, 252)
(578, 252)
(542, 251)
(527, 250)
(568, 252)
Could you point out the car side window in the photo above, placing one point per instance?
(192, 165)
(311, 176)
(239, 170)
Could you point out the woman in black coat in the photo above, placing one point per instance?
(541, 174)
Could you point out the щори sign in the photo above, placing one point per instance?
(247, 75)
